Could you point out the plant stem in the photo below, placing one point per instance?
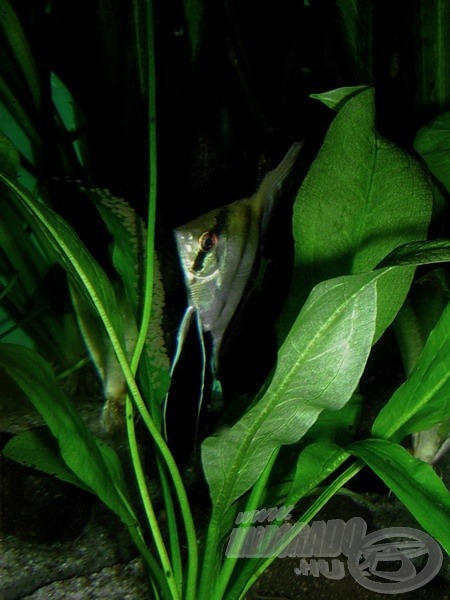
(252, 504)
(146, 500)
(172, 526)
(156, 573)
(357, 498)
(146, 315)
(72, 369)
(329, 492)
(152, 190)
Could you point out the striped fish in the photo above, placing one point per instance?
(218, 250)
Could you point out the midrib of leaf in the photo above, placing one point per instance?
(224, 498)
(368, 198)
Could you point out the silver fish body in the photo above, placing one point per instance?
(218, 249)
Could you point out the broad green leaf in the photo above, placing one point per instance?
(319, 366)
(414, 483)
(361, 198)
(315, 463)
(432, 142)
(424, 398)
(94, 466)
(20, 50)
(418, 253)
(38, 449)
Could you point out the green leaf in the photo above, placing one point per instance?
(336, 99)
(69, 113)
(21, 256)
(357, 24)
(13, 232)
(65, 104)
(128, 249)
(338, 425)
(418, 253)
(361, 198)
(432, 56)
(103, 356)
(95, 465)
(424, 398)
(17, 125)
(319, 366)
(432, 142)
(414, 483)
(64, 247)
(194, 12)
(9, 157)
(129, 255)
(38, 449)
(20, 50)
(315, 463)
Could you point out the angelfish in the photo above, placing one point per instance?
(217, 251)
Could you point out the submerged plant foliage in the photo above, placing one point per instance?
(360, 221)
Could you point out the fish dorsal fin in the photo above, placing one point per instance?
(264, 199)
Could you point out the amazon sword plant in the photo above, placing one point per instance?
(359, 226)
(322, 355)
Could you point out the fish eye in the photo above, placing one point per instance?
(207, 241)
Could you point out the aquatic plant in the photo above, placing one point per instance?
(359, 226)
